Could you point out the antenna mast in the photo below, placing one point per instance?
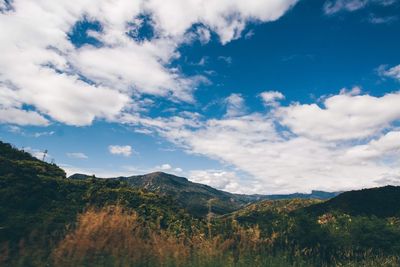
(44, 155)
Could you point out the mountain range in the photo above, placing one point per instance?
(200, 199)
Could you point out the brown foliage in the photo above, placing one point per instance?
(115, 235)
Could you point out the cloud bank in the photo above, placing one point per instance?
(53, 69)
(348, 141)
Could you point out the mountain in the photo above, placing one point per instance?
(380, 202)
(200, 199)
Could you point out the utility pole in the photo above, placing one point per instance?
(44, 155)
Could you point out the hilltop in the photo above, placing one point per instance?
(381, 202)
(200, 199)
(197, 198)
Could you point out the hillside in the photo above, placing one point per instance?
(381, 202)
(37, 202)
(200, 199)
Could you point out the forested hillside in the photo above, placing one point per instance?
(199, 199)
(380, 202)
(37, 202)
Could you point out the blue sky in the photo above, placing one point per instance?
(259, 98)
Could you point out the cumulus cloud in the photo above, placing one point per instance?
(77, 155)
(223, 180)
(343, 117)
(350, 142)
(271, 98)
(41, 67)
(225, 18)
(386, 147)
(356, 90)
(125, 151)
(235, 105)
(164, 167)
(22, 117)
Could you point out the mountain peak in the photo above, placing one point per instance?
(159, 174)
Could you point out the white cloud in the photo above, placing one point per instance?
(22, 117)
(41, 68)
(226, 18)
(14, 129)
(77, 155)
(356, 90)
(40, 134)
(165, 167)
(227, 60)
(249, 34)
(332, 7)
(381, 20)
(125, 151)
(235, 105)
(352, 142)
(271, 98)
(393, 72)
(223, 180)
(335, 6)
(343, 117)
(37, 153)
(204, 35)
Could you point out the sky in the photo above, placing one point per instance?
(253, 96)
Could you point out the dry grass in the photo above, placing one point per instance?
(114, 236)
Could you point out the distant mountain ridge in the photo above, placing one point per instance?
(200, 199)
(379, 201)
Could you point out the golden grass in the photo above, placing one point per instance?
(114, 236)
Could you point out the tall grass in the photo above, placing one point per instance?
(116, 236)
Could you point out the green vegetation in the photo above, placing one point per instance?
(199, 199)
(37, 203)
(381, 202)
(47, 219)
